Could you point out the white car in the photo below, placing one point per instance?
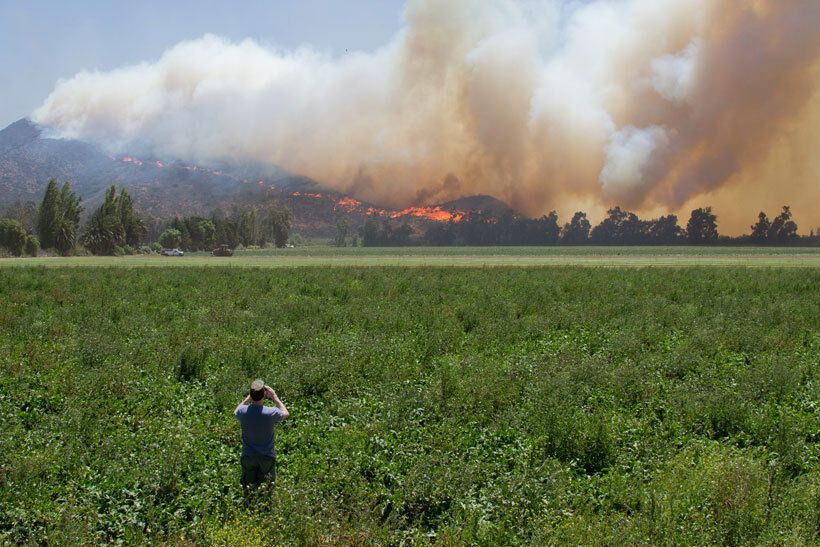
(172, 252)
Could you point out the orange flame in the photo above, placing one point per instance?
(430, 213)
(129, 159)
(306, 195)
(349, 204)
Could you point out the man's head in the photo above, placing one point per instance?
(258, 390)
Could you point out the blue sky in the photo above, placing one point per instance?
(42, 41)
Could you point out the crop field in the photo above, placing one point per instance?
(324, 255)
(508, 405)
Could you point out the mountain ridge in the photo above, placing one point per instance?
(163, 189)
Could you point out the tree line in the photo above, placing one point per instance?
(244, 227)
(116, 228)
(619, 227)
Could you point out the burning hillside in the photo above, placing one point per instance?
(345, 204)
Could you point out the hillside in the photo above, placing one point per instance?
(29, 157)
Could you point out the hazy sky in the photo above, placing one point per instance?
(43, 41)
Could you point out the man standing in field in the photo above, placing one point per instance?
(257, 422)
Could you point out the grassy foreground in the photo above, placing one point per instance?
(501, 406)
(324, 255)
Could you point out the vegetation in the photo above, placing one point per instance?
(58, 219)
(378, 232)
(452, 406)
(115, 228)
(782, 230)
(171, 238)
(246, 227)
(114, 225)
(619, 227)
(13, 236)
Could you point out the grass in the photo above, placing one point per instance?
(430, 405)
(461, 256)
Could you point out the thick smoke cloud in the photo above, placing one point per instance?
(657, 105)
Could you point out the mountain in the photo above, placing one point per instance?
(29, 157)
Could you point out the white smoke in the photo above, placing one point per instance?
(628, 157)
(543, 104)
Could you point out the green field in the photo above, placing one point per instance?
(322, 255)
(530, 405)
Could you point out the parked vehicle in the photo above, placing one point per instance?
(172, 252)
(222, 250)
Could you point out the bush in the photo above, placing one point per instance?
(32, 245)
(12, 236)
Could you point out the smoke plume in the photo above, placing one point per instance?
(656, 105)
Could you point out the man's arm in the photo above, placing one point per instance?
(270, 394)
(244, 402)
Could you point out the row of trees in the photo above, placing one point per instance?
(619, 227)
(116, 228)
(244, 227)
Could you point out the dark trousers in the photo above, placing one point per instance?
(257, 470)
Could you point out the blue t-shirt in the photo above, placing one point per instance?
(257, 423)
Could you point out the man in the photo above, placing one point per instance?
(257, 422)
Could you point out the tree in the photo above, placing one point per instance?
(576, 232)
(760, 229)
(619, 227)
(278, 224)
(59, 217)
(342, 230)
(132, 224)
(25, 212)
(171, 238)
(373, 232)
(48, 217)
(783, 229)
(663, 230)
(247, 228)
(203, 234)
(12, 236)
(105, 231)
(380, 232)
(440, 234)
(32, 245)
(702, 226)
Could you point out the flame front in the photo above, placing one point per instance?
(430, 213)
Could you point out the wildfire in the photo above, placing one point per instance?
(129, 159)
(349, 204)
(430, 213)
(159, 164)
(306, 195)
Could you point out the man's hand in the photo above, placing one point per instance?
(270, 394)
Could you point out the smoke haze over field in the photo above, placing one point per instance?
(656, 105)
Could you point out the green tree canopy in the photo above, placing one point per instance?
(170, 238)
(702, 226)
(114, 224)
(576, 232)
(59, 217)
(278, 224)
(783, 229)
(12, 236)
